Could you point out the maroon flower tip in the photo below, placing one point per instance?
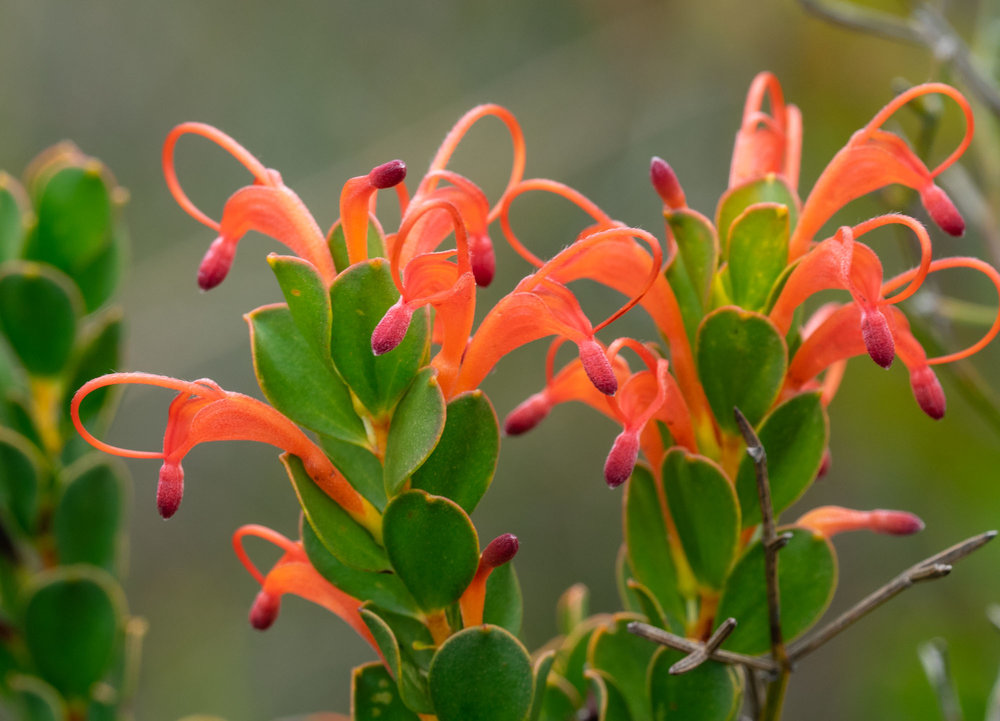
(264, 610)
(896, 523)
(391, 330)
(665, 182)
(500, 550)
(528, 414)
(170, 489)
(928, 392)
(597, 367)
(388, 174)
(942, 210)
(484, 260)
(216, 263)
(878, 338)
(824, 465)
(621, 460)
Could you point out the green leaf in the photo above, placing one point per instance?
(770, 189)
(37, 700)
(98, 352)
(646, 538)
(794, 436)
(375, 697)
(711, 692)
(14, 217)
(503, 606)
(383, 589)
(360, 466)
(308, 300)
(611, 703)
(623, 574)
(296, 381)
(21, 467)
(462, 464)
(650, 607)
(481, 673)
(338, 245)
(560, 700)
(33, 297)
(359, 297)
(347, 540)
(690, 270)
(741, 362)
(572, 608)
(99, 280)
(758, 252)
(543, 664)
(807, 576)
(408, 648)
(705, 512)
(416, 426)
(571, 657)
(88, 516)
(432, 545)
(624, 657)
(73, 617)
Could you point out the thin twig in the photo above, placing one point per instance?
(665, 638)
(936, 566)
(697, 658)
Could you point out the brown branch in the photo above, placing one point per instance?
(665, 638)
(696, 658)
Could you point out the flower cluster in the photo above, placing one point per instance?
(377, 352)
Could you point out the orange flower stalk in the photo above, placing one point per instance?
(830, 520)
(499, 551)
(203, 412)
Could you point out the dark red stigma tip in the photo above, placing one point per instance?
(391, 330)
(622, 458)
(666, 184)
(597, 367)
(878, 338)
(169, 489)
(528, 414)
(942, 210)
(264, 611)
(500, 550)
(928, 392)
(388, 174)
(216, 263)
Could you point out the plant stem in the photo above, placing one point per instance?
(687, 645)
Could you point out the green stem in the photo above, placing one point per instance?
(776, 697)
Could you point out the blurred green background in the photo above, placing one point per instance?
(326, 90)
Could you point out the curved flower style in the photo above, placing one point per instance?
(202, 412)
(767, 143)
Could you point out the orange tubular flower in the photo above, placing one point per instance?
(203, 412)
(499, 551)
(828, 521)
(293, 573)
(355, 200)
(767, 143)
(268, 206)
(874, 158)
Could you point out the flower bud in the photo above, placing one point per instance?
(483, 259)
(169, 489)
(928, 392)
(622, 458)
(216, 263)
(597, 367)
(877, 337)
(828, 521)
(388, 174)
(527, 415)
(895, 523)
(942, 210)
(665, 182)
(499, 551)
(391, 330)
(264, 610)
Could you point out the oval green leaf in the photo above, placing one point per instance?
(338, 245)
(693, 264)
(807, 576)
(432, 545)
(770, 189)
(360, 466)
(14, 217)
(308, 300)
(347, 540)
(35, 699)
(711, 692)
(296, 381)
(465, 458)
(359, 297)
(408, 648)
(625, 658)
(503, 605)
(611, 703)
(98, 351)
(741, 362)
(794, 436)
(21, 467)
(758, 252)
(88, 517)
(705, 512)
(35, 297)
(543, 664)
(481, 673)
(416, 426)
(375, 697)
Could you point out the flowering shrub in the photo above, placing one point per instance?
(377, 353)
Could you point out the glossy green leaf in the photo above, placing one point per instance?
(383, 589)
(99, 279)
(465, 458)
(572, 608)
(561, 701)
(408, 648)
(794, 436)
(20, 477)
(88, 517)
(758, 252)
(711, 692)
(296, 381)
(571, 657)
(624, 657)
(308, 300)
(770, 189)
(417, 424)
(611, 703)
(359, 297)
(690, 270)
(623, 574)
(542, 666)
(503, 605)
(650, 607)
(33, 297)
(706, 514)
(375, 697)
(348, 541)
(741, 362)
(14, 217)
(73, 618)
(481, 673)
(360, 466)
(807, 576)
(646, 537)
(432, 545)
(98, 352)
(35, 699)
(338, 245)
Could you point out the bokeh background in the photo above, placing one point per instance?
(325, 90)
